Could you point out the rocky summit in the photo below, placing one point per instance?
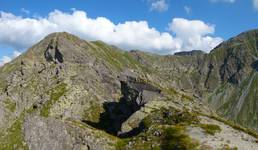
(65, 93)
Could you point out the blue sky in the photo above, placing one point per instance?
(167, 22)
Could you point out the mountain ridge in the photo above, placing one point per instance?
(93, 88)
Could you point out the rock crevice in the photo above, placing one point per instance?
(135, 95)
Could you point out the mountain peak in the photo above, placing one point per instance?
(253, 31)
(59, 34)
(59, 46)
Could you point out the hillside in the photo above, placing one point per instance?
(67, 93)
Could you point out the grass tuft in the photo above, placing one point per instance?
(176, 139)
(211, 129)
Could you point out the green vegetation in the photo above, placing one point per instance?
(55, 95)
(9, 104)
(176, 139)
(2, 85)
(210, 128)
(121, 144)
(225, 102)
(13, 137)
(248, 113)
(103, 51)
(170, 117)
(117, 59)
(93, 113)
(164, 129)
(234, 125)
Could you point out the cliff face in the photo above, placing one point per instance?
(225, 78)
(235, 97)
(67, 93)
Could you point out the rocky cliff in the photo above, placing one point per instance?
(225, 78)
(67, 93)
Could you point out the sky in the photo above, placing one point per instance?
(157, 26)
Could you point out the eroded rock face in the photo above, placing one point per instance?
(46, 134)
(51, 134)
(53, 53)
(137, 92)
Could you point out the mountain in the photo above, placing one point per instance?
(190, 53)
(225, 78)
(67, 93)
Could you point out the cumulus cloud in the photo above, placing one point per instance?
(227, 1)
(255, 2)
(194, 34)
(159, 5)
(6, 59)
(21, 33)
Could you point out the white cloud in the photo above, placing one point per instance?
(7, 59)
(21, 33)
(227, 1)
(255, 2)
(16, 54)
(159, 5)
(188, 9)
(194, 34)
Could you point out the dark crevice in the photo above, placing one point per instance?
(22, 72)
(116, 113)
(47, 53)
(231, 69)
(208, 75)
(254, 65)
(42, 69)
(53, 53)
(57, 72)
(58, 55)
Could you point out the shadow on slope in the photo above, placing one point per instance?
(116, 113)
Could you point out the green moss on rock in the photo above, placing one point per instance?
(55, 94)
(93, 113)
(13, 137)
(10, 105)
(121, 144)
(170, 117)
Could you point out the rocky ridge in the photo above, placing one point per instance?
(67, 93)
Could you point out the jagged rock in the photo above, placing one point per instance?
(53, 53)
(46, 134)
(51, 134)
(190, 53)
